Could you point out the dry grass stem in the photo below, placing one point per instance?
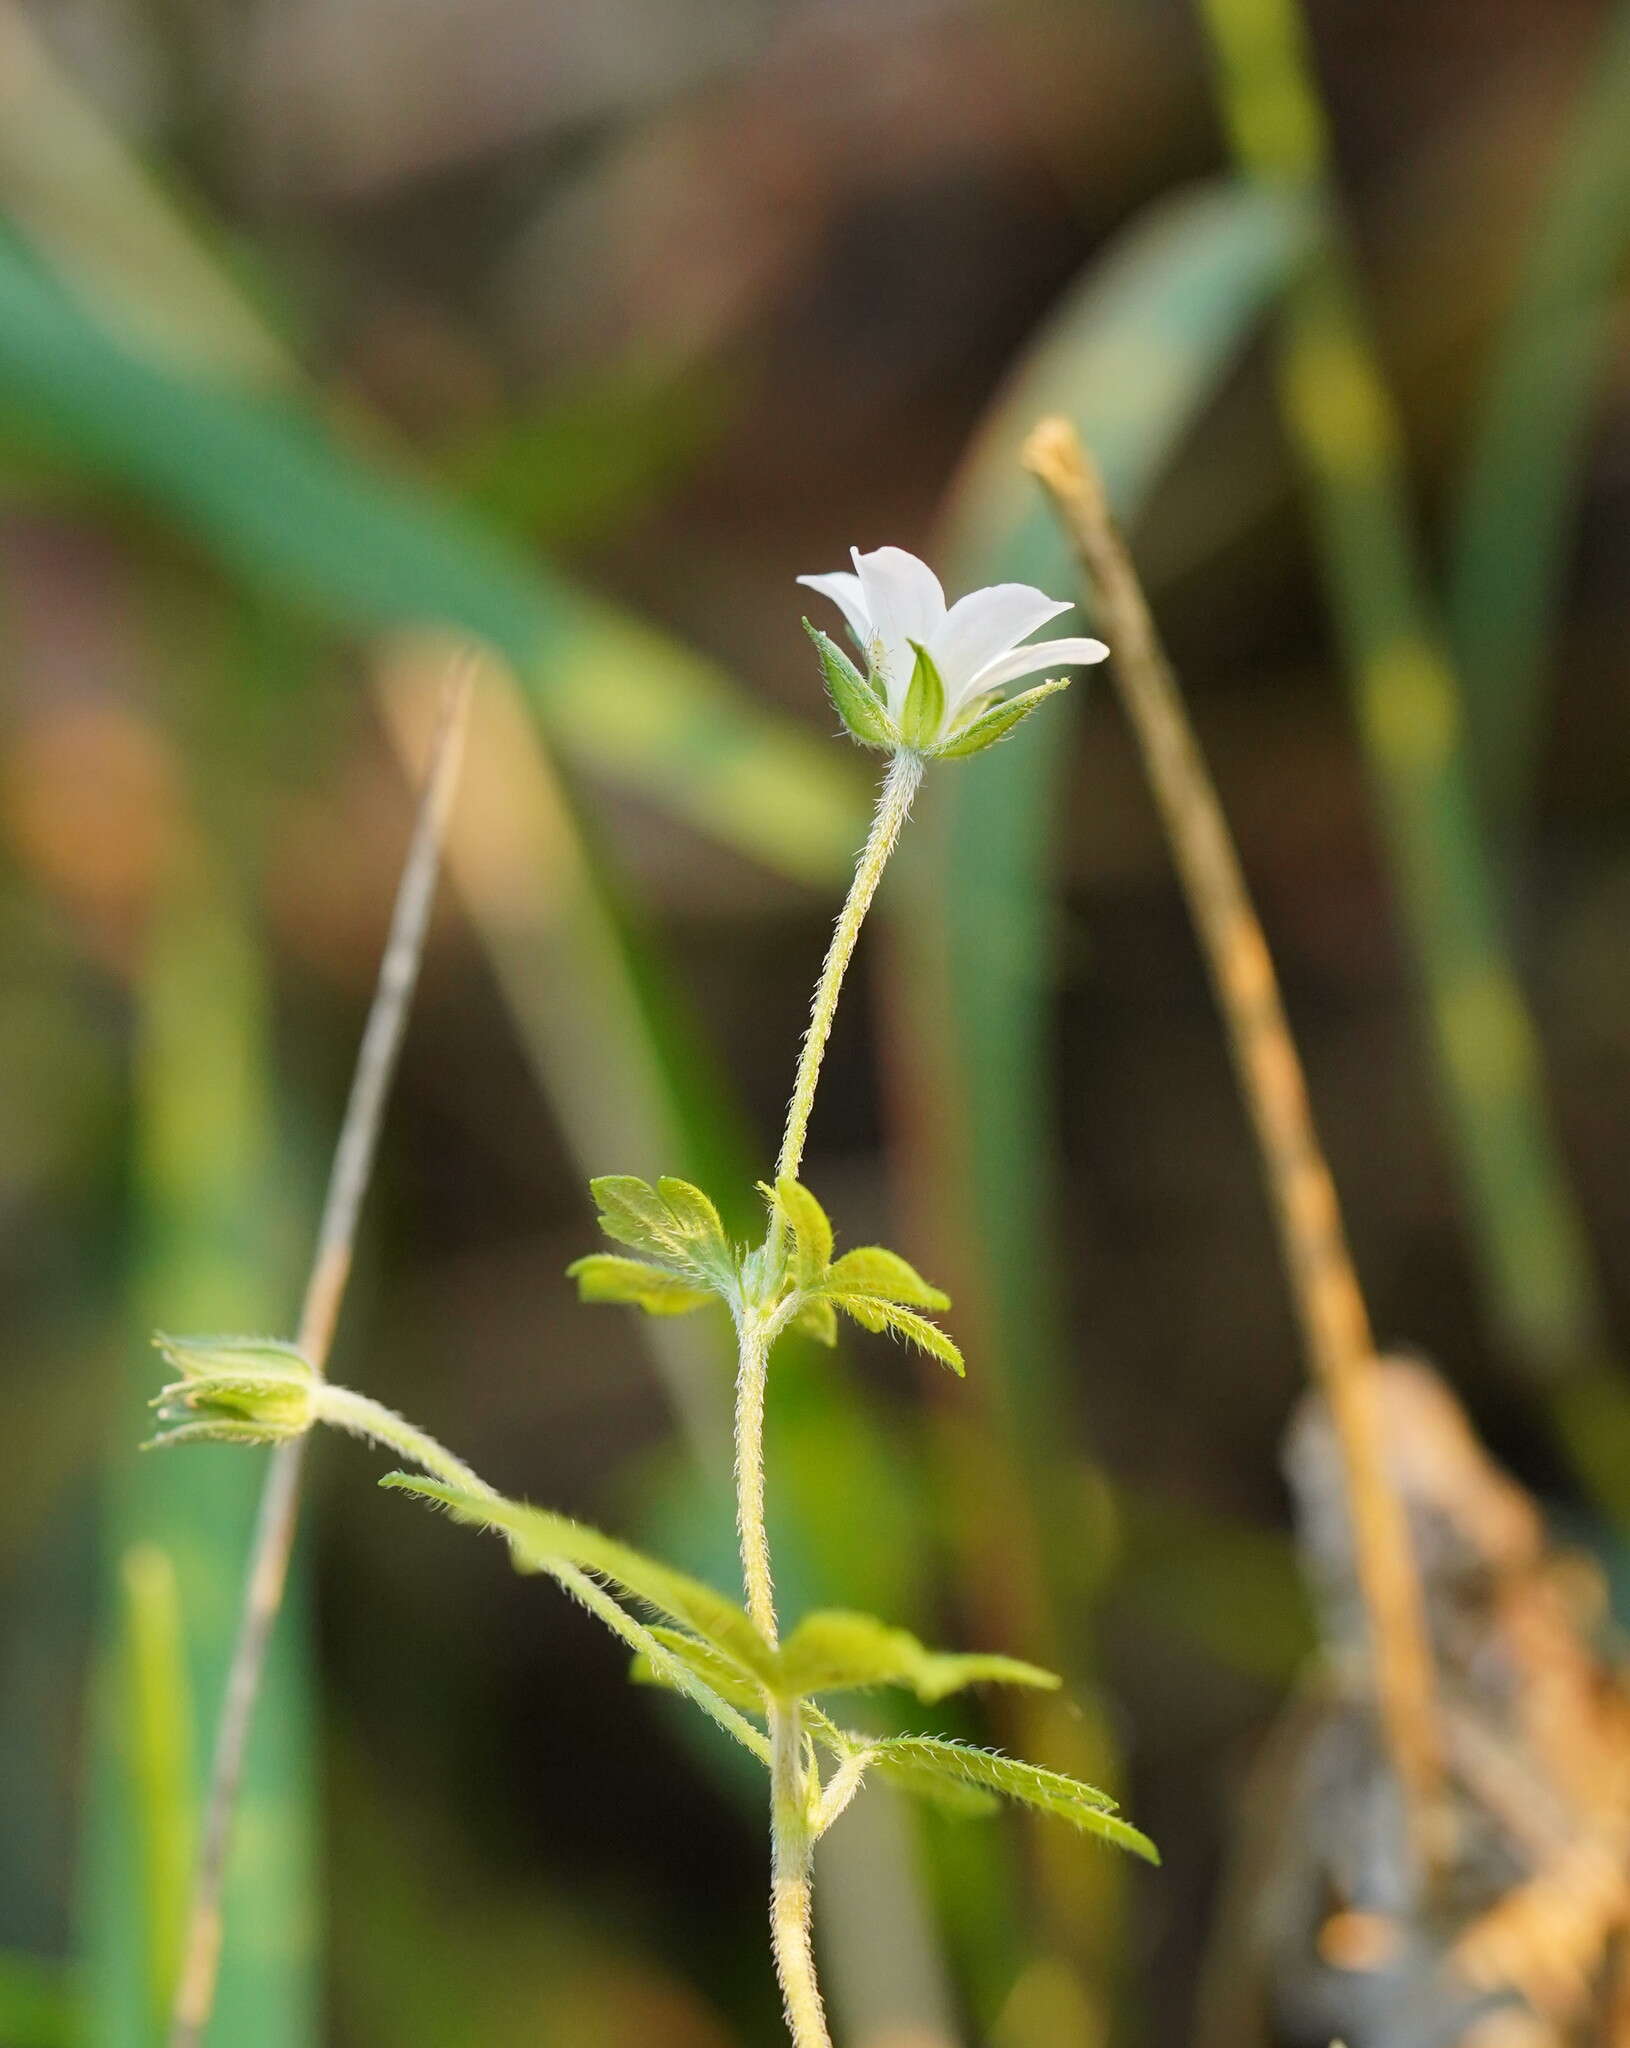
(1329, 1302)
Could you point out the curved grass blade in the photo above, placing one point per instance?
(1519, 491)
(1533, 1253)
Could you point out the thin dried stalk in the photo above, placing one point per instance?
(325, 1291)
(1329, 1302)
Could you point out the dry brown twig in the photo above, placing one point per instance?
(325, 1291)
(1329, 1302)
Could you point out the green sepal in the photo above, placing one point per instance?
(924, 711)
(995, 724)
(236, 1390)
(864, 715)
(834, 1650)
(659, 1290)
(871, 1269)
(874, 1314)
(811, 1231)
(818, 1319)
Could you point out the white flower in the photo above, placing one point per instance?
(970, 650)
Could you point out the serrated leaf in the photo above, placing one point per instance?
(539, 1540)
(924, 711)
(818, 1319)
(872, 1270)
(834, 1650)
(659, 1290)
(811, 1232)
(716, 1672)
(995, 724)
(853, 698)
(1050, 1792)
(877, 1315)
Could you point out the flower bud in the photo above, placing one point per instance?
(251, 1390)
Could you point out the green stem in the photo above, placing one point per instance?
(793, 1781)
(376, 1424)
(792, 1880)
(893, 806)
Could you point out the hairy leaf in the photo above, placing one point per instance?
(540, 1540)
(869, 1269)
(811, 1232)
(951, 1795)
(717, 1672)
(1049, 1792)
(873, 1314)
(836, 1651)
(673, 1222)
(659, 1290)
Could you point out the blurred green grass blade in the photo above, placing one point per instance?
(270, 489)
(1514, 517)
(208, 1255)
(1131, 356)
(37, 2004)
(158, 1722)
(1536, 1266)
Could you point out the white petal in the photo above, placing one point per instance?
(904, 602)
(843, 587)
(1027, 661)
(984, 625)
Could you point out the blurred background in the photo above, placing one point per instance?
(584, 330)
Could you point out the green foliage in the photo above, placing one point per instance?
(675, 1225)
(835, 1651)
(38, 2008)
(854, 696)
(1050, 1792)
(875, 1287)
(602, 1276)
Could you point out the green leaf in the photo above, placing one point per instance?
(951, 1795)
(539, 1541)
(873, 1314)
(853, 697)
(837, 1651)
(660, 1291)
(997, 723)
(1049, 1792)
(718, 1673)
(870, 1269)
(924, 711)
(673, 1222)
(818, 1319)
(811, 1232)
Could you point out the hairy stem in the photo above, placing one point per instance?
(792, 1881)
(752, 1371)
(376, 1424)
(893, 807)
(325, 1290)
